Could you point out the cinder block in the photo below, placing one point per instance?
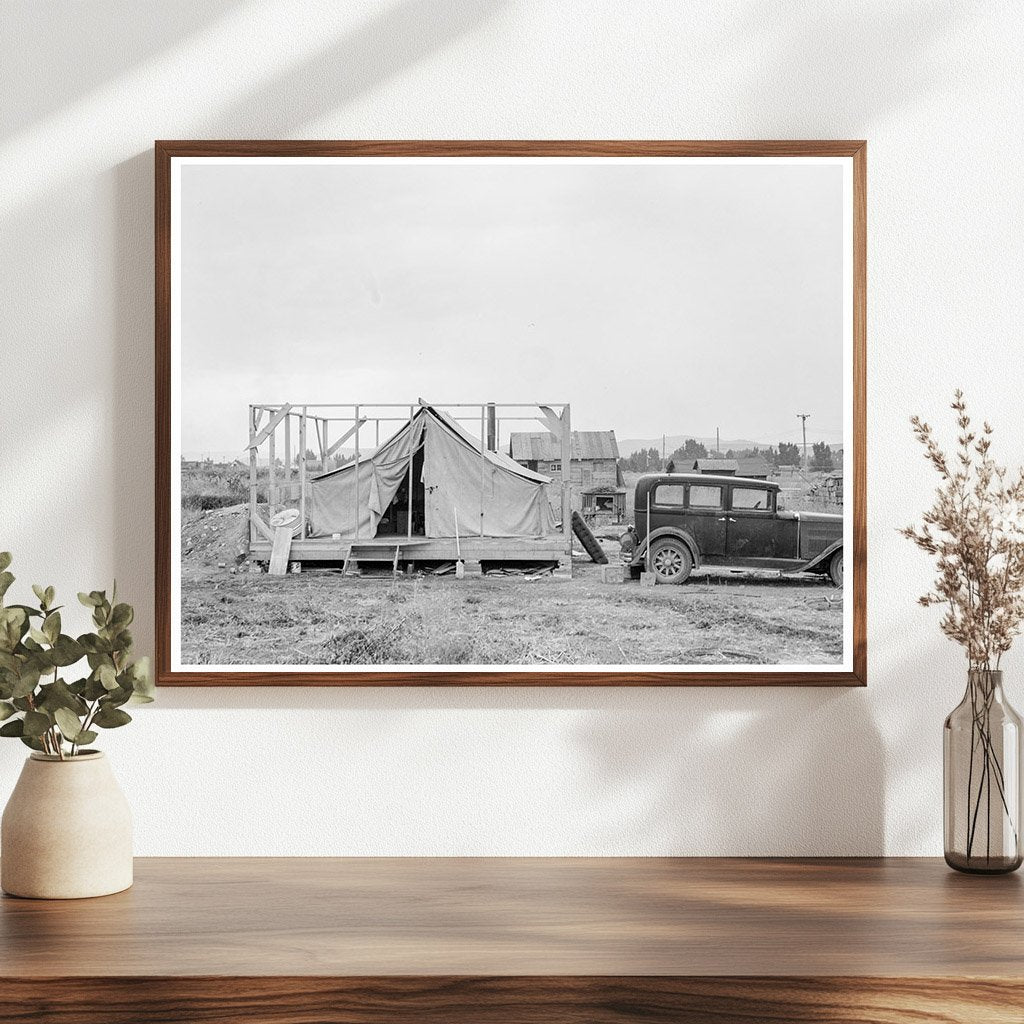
(647, 579)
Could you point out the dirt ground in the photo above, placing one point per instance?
(232, 616)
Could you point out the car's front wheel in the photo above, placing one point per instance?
(671, 561)
(835, 568)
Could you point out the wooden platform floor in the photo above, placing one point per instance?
(433, 549)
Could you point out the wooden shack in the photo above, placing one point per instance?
(753, 467)
(597, 487)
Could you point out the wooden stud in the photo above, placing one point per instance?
(412, 455)
(271, 425)
(483, 460)
(356, 418)
(566, 428)
(271, 468)
(288, 455)
(302, 473)
(253, 482)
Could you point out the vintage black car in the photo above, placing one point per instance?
(690, 519)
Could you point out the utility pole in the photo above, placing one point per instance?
(718, 442)
(804, 417)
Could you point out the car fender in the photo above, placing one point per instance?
(667, 531)
(822, 556)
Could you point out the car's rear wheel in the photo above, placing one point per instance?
(835, 568)
(671, 561)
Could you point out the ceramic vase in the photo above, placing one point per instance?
(66, 831)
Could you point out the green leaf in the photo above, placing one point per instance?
(94, 644)
(31, 741)
(59, 695)
(5, 560)
(86, 736)
(122, 616)
(13, 728)
(27, 682)
(69, 724)
(6, 579)
(50, 594)
(6, 710)
(89, 600)
(13, 625)
(115, 698)
(40, 593)
(38, 635)
(107, 676)
(51, 626)
(109, 717)
(36, 723)
(94, 689)
(66, 651)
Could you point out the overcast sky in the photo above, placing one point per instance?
(654, 298)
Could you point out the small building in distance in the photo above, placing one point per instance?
(832, 487)
(753, 467)
(716, 467)
(598, 489)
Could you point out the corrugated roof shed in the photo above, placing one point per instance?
(753, 465)
(716, 466)
(545, 447)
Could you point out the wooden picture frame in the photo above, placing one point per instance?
(852, 671)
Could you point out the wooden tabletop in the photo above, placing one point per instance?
(319, 916)
(511, 918)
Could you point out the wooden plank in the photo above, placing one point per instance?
(567, 479)
(344, 437)
(552, 422)
(253, 477)
(287, 451)
(279, 553)
(272, 423)
(272, 496)
(302, 472)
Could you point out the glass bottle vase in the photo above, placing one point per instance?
(981, 773)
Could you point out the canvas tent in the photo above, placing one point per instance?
(492, 495)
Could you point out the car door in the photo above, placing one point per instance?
(705, 519)
(755, 531)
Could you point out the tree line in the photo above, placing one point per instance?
(649, 460)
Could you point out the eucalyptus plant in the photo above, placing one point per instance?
(37, 703)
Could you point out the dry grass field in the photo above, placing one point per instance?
(234, 616)
(318, 617)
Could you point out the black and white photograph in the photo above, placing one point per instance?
(556, 414)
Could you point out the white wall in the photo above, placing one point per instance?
(936, 88)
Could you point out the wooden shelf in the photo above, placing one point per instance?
(577, 941)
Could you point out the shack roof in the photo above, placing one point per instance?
(545, 447)
(724, 466)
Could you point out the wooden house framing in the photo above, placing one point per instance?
(386, 480)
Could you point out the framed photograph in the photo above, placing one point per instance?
(493, 413)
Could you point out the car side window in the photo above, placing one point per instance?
(670, 494)
(705, 496)
(751, 499)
